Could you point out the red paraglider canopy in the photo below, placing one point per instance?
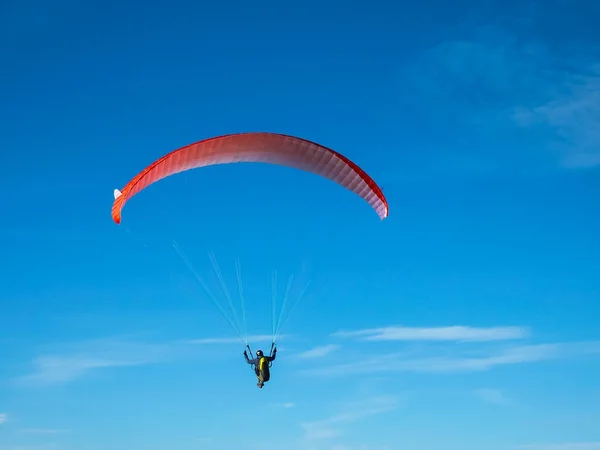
(259, 147)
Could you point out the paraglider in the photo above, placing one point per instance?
(262, 365)
(257, 147)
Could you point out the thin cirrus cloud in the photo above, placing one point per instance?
(494, 396)
(571, 118)
(319, 352)
(3, 418)
(43, 431)
(464, 361)
(563, 446)
(285, 405)
(542, 101)
(77, 360)
(333, 426)
(233, 340)
(453, 333)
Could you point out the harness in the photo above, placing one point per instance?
(262, 362)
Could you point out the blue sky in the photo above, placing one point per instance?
(466, 320)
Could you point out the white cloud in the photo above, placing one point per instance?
(453, 333)
(66, 368)
(43, 431)
(318, 430)
(285, 405)
(512, 98)
(563, 446)
(3, 418)
(572, 117)
(485, 359)
(353, 447)
(319, 352)
(234, 340)
(48, 446)
(494, 396)
(79, 359)
(353, 412)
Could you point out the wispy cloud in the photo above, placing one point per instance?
(494, 396)
(453, 333)
(572, 117)
(234, 340)
(514, 98)
(285, 405)
(47, 446)
(563, 446)
(43, 431)
(474, 360)
(319, 352)
(3, 418)
(77, 360)
(353, 412)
